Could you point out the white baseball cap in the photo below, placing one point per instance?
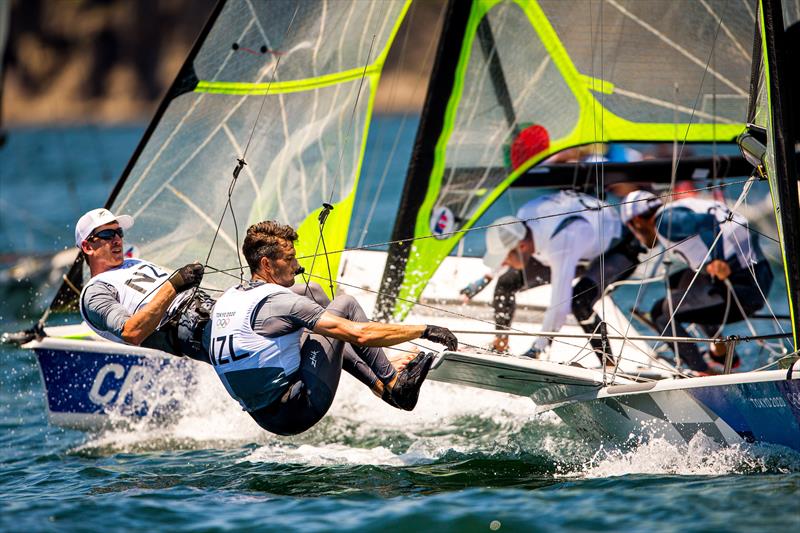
(637, 203)
(96, 218)
(501, 237)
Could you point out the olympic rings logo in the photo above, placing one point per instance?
(223, 322)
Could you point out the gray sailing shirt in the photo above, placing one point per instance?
(103, 309)
(282, 313)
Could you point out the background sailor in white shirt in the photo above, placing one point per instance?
(134, 301)
(545, 242)
(286, 378)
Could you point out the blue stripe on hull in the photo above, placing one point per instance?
(766, 411)
(89, 383)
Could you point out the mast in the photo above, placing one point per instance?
(784, 139)
(185, 81)
(422, 158)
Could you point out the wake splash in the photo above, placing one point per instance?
(701, 456)
(451, 427)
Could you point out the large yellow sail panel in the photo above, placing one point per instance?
(596, 71)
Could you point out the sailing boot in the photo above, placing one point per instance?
(404, 391)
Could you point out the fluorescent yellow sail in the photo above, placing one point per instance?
(587, 72)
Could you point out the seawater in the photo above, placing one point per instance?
(464, 460)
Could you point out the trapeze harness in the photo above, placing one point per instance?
(255, 370)
(136, 281)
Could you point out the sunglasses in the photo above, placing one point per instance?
(106, 234)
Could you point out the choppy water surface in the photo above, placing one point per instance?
(465, 460)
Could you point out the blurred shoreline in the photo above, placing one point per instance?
(110, 63)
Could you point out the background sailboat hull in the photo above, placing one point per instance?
(761, 412)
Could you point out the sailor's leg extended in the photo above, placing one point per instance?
(311, 395)
(618, 263)
(510, 283)
(369, 365)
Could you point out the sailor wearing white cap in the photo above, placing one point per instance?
(544, 243)
(715, 241)
(132, 300)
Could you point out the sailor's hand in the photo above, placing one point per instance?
(718, 269)
(474, 288)
(187, 276)
(442, 336)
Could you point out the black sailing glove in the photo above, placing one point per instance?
(440, 335)
(187, 277)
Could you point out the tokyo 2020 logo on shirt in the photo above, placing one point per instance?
(442, 222)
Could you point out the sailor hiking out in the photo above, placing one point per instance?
(724, 264)
(280, 354)
(545, 243)
(133, 301)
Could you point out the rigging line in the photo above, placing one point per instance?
(748, 228)
(751, 269)
(454, 313)
(272, 79)
(531, 219)
(352, 119)
(240, 165)
(327, 207)
(441, 310)
(786, 357)
(683, 142)
(242, 161)
(653, 356)
(633, 267)
(744, 193)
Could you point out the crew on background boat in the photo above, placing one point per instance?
(134, 301)
(722, 256)
(287, 382)
(544, 243)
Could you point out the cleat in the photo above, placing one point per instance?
(405, 392)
